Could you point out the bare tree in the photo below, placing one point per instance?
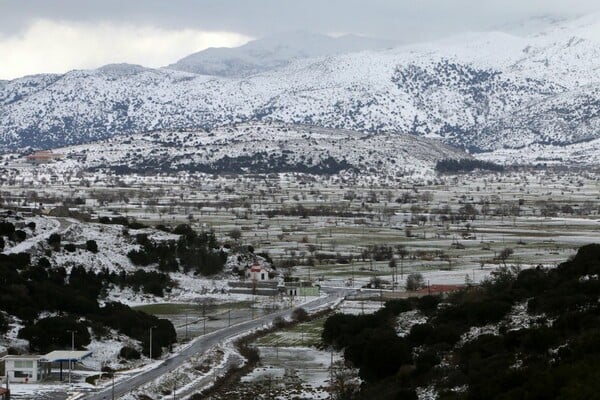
(402, 253)
(344, 384)
(505, 254)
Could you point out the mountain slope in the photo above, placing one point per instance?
(272, 52)
(481, 91)
(260, 148)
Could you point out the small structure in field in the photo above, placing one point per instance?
(301, 288)
(43, 156)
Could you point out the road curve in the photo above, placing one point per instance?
(206, 342)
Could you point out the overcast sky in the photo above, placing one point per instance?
(58, 35)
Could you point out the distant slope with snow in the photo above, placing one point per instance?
(272, 52)
(480, 91)
(260, 148)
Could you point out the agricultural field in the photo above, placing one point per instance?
(345, 230)
(292, 364)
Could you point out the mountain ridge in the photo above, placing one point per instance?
(479, 91)
(271, 52)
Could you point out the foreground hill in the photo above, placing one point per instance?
(260, 148)
(483, 91)
(530, 334)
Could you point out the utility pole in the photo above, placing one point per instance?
(72, 349)
(331, 366)
(186, 325)
(229, 316)
(152, 327)
(352, 263)
(113, 385)
(174, 386)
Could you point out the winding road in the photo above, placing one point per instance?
(205, 343)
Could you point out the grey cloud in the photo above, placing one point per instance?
(405, 20)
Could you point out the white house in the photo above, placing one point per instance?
(25, 369)
(33, 368)
(257, 273)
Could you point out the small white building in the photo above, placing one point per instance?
(25, 369)
(34, 368)
(257, 273)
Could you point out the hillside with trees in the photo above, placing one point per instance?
(47, 293)
(30, 289)
(530, 334)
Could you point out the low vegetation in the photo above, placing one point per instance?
(451, 166)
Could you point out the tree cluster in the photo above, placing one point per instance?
(27, 289)
(198, 252)
(450, 166)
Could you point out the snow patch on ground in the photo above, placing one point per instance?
(407, 320)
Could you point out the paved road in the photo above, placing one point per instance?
(206, 342)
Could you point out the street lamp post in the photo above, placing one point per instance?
(72, 349)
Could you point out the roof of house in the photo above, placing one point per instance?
(439, 289)
(44, 155)
(66, 355)
(21, 357)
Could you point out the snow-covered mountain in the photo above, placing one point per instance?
(273, 52)
(482, 91)
(259, 148)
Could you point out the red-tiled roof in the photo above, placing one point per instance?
(44, 155)
(439, 289)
